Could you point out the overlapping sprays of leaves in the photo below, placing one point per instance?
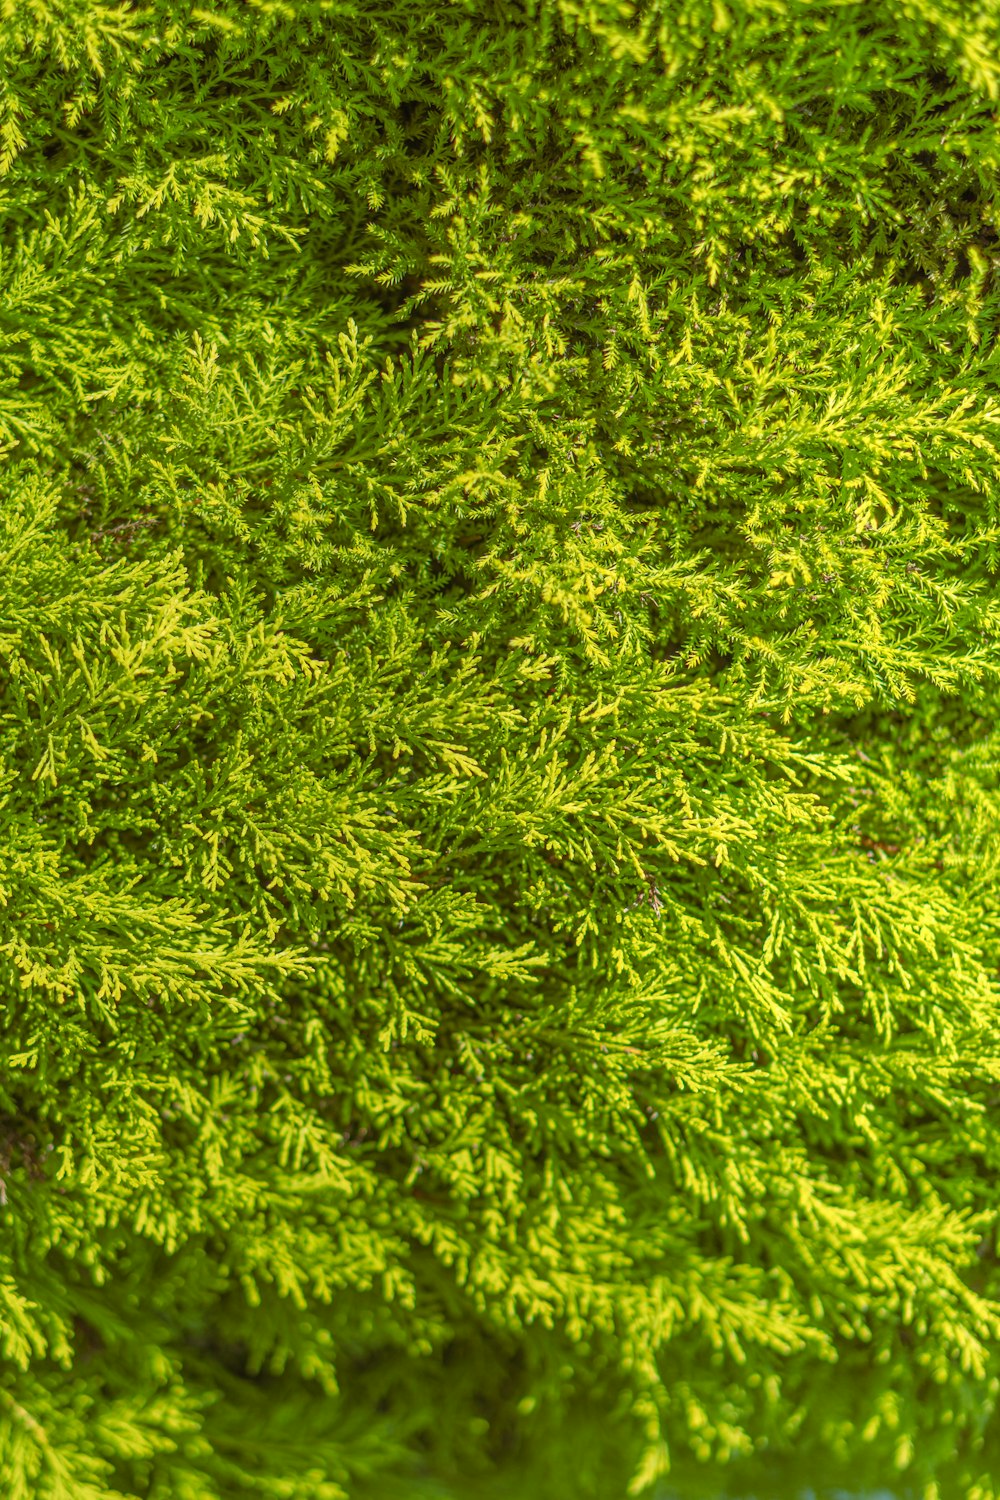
(499, 812)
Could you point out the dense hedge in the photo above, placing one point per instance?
(499, 663)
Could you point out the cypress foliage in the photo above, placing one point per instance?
(499, 817)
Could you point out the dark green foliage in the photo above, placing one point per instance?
(499, 663)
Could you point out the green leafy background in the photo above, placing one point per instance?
(499, 816)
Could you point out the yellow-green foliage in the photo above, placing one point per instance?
(499, 821)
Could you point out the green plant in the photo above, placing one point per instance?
(498, 680)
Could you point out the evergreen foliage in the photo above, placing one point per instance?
(499, 671)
